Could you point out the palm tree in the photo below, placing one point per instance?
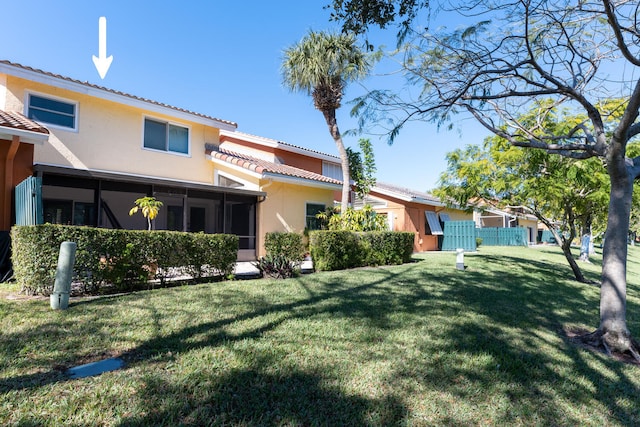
(149, 206)
(321, 65)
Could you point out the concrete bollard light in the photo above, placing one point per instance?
(59, 299)
(460, 259)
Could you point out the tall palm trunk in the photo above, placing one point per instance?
(330, 117)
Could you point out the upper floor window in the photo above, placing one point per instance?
(332, 170)
(52, 111)
(165, 136)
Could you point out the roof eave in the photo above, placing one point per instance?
(301, 181)
(86, 89)
(25, 136)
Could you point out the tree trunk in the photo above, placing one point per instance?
(577, 272)
(565, 244)
(613, 291)
(330, 117)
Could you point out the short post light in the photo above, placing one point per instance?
(460, 259)
(59, 299)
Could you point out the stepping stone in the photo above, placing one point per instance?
(95, 368)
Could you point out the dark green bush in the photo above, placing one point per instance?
(334, 250)
(277, 267)
(289, 245)
(118, 259)
(338, 250)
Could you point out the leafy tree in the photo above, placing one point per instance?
(575, 53)
(149, 206)
(358, 15)
(564, 194)
(322, 64)
(362, 166)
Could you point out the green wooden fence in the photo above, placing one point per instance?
(462, 234)
(496, 236)
(459, 234)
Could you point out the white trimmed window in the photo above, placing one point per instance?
(163, 136)
(332, 170)
(52, 111)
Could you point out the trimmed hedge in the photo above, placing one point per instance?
(339, 250)
(120, 260)
(289, 245)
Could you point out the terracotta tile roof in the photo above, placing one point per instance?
(406, 192)
(116, 92)
(15, 120)
(263, 166)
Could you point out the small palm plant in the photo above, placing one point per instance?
(149, 206)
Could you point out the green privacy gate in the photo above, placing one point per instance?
(462, 234)
(496, 236)
(28, 200)
(459, 235)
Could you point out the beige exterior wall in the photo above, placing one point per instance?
(458, 215)
(110, 137)
(532, 228)
(285, 208)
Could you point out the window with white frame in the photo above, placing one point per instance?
(332, 170)
(163, 136)
(52, 111)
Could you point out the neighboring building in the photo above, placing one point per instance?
(491, 217)
(97, 150)
(413, 211)
(424, 214)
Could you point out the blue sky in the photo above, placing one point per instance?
(220, 58)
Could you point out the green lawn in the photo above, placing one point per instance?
(418, 344)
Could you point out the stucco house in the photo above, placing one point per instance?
(425, 215)
(414, 211)
(91, 152)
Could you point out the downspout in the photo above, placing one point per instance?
(262, 188)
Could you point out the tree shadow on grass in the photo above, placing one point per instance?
(254, 397)
(500, 335)
(518, 321)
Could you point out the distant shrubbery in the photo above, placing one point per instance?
(118, 259)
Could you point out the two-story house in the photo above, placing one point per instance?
(88, 152)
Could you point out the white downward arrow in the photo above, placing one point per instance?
(102, 62)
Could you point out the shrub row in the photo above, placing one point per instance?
(288, 245)
(120, 260)
(338, 250)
